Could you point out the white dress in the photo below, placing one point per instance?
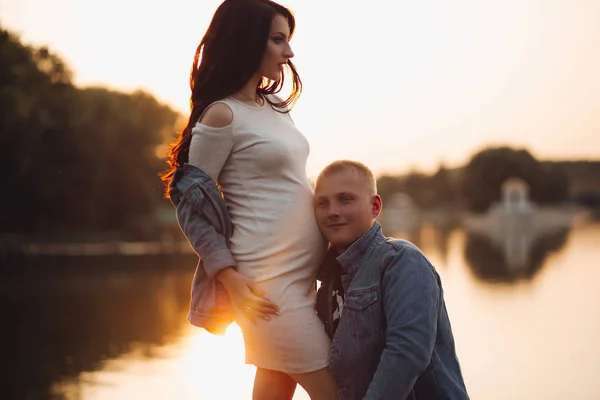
(259, 161)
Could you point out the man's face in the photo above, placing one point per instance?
(344, 207)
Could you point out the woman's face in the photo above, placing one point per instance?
(278, 50)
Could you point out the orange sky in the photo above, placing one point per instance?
(395, 84)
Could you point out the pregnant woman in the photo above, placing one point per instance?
(242, 136)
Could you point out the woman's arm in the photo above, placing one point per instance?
(212, 142)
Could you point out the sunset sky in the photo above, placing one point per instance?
(395, 84)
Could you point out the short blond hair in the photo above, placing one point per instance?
(350, 165)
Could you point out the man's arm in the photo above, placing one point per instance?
(411, 297)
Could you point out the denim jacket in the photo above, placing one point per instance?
(203, 217)
(394, 340)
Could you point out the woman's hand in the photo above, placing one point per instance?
(245, 295)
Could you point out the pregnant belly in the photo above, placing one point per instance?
(274, 243)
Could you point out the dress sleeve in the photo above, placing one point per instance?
(210, 147)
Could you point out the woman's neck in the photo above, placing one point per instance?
(248, 93)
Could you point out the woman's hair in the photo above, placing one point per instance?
(228, 56)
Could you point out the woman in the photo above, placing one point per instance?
(241, 135)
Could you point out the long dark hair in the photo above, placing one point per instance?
(227, 57)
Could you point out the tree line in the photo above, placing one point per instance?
(477, 184)
(83, 161)
(75, 159)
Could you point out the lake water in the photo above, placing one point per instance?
(526, 322)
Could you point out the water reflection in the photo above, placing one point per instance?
(516, 257)
(115, 328)
(429, 231)
(66, 316)
(504, 255)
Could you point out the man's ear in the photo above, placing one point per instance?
(376, 206)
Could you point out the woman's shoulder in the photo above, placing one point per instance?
(276, 99)
(217, 115)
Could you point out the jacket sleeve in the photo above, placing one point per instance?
(209, 149)
(209, 244)
(411, 298)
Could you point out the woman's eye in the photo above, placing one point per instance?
(277, 40)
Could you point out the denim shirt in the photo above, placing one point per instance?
(394, 339)
(203, 217)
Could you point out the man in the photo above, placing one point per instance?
(380, 300)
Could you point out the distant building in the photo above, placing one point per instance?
(515, 198)
(515, 223)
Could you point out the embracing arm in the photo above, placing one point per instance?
(411, 297)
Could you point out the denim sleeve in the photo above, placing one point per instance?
(411, 298)
(206, 241)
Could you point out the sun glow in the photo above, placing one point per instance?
(452, 76)
(216, 364)
(224, 352)
(201, 366)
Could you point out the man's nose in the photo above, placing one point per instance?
(333, 211)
